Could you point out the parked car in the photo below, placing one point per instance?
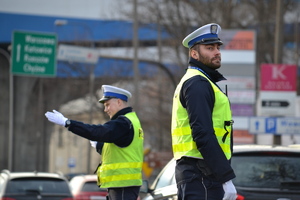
(84, 187)
(262, 173)
(33, 185)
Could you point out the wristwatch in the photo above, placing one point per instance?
(68, 123)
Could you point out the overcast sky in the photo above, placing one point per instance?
(91, 9)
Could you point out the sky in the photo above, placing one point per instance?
(88, 9)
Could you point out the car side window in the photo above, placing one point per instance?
(168, 176)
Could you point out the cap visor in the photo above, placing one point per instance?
(212, 42)
(103, 99)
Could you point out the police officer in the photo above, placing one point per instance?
(120, 142)
(202, 123)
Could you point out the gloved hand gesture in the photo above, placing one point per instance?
(229, 191)
(93, 143)
(56, 117)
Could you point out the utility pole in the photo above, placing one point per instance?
(91, 80)
(278, 48)
(10, 156)
(160, 80)
(297, 38)
(135, 43)
(278, 33)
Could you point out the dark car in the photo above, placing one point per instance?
(33, 185)
(84, 187)
(267, 172)
(262, 173)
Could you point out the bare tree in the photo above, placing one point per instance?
(180, 17)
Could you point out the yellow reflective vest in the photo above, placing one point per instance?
(182, 141)
(122, 167)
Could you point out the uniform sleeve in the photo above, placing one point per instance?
(115, 131)
(99, 147)
(197, 97)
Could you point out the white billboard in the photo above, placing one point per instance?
(73, 53)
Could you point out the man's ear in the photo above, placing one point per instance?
(194, 54)
(120, 102)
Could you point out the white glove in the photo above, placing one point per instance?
(229, 191)
(93, 143)
(56, 117)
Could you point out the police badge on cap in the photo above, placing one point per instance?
(207, 34)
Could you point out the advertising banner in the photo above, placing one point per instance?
(278, 77)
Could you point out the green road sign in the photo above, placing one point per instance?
(34, 54)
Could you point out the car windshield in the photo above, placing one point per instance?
(37, 185)
(267, 170)
(168, 176)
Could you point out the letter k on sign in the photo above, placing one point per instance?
(277, 72)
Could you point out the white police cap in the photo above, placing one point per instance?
(207, 34)
(114, 92)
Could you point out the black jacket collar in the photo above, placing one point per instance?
(214, 75)
(124, 111)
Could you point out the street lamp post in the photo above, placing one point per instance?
(11, 115)
(135, 44)
(278, 49)
(61, 22)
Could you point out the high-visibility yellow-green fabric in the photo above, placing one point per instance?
(182, 141)
(122, 167)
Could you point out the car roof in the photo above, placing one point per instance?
(90, 177)
(77, 182)
(34, 174)
(258, 148)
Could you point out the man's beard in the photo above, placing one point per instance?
(209, 62)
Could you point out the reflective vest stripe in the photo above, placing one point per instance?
(122, 177)
(122, 165)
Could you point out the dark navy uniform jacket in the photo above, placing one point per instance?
(118, 130)
(197, 96)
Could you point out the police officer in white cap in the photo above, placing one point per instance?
(202, 123)
(119, 141)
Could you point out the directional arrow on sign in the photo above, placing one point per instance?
(18, 52)
(274, 103)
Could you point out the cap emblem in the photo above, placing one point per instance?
(214, 29)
